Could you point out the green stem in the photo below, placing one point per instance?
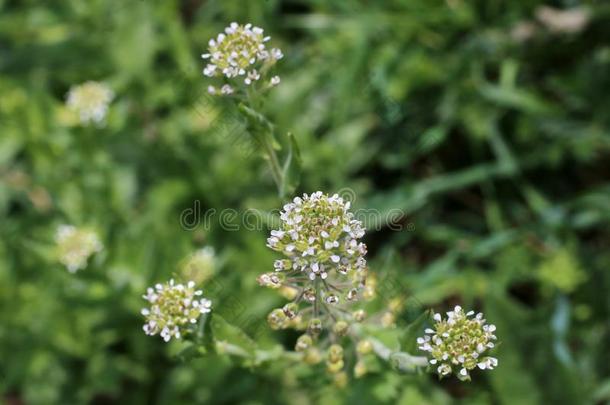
(276, 170)
(385, 353)
(265, 140)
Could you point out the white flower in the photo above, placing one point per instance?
(277, 54)
(239, 51)
(253, 75)
(319, 235)
(172, 308)
(75, 246)
(458, 342)
(275, 80)
(226, 89)
(323, 263)
(90, 100)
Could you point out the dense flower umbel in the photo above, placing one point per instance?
(459, 343)
(90, 100)
(319, 236)
(173, 307)
(239, 54)
(75, 246)
(324, 263)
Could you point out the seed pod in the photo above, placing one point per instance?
(335, 353)
(315, 326)
(364, 347)
(340, 328)
(304, 342)
(359, 315)
(276, 319)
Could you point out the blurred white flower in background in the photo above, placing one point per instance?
(90, 101)
(563, 21)
(75, 246)
(200, 265)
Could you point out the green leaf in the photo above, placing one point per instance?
(412, 331)
(291, 172)
(229, 339)
(258, 125)
(406, 363)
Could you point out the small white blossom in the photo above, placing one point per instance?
(226, 89)
(75, 246)
(458, 343)
(90, 100)
(275, 80)
(253, 75)
(172, 308)
(568, 21)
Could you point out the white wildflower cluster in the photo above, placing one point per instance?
(75, 246)
(324, 267)
(90, 101)
(240, 53)
(318, 236)
(172, 307)
(459, 343)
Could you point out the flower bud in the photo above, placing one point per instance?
(334, 367)
(276, 319)
(290, 310)
(364, 347)
(340, 328)
(395, 305)
(271, 280)
(359, 315)
(290, 293)
(360, 369)
(335, 353)
(387, 319)
(312, 356)
(341, 380)
(304, 342)
(315, 326)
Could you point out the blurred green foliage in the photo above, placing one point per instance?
(486, 125)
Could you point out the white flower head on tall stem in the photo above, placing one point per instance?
(173, 306)
(459, 343)
(240, 56)
(75, 246)
(324, 266)
(90, 101)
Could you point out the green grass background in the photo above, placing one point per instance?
(495, 151)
